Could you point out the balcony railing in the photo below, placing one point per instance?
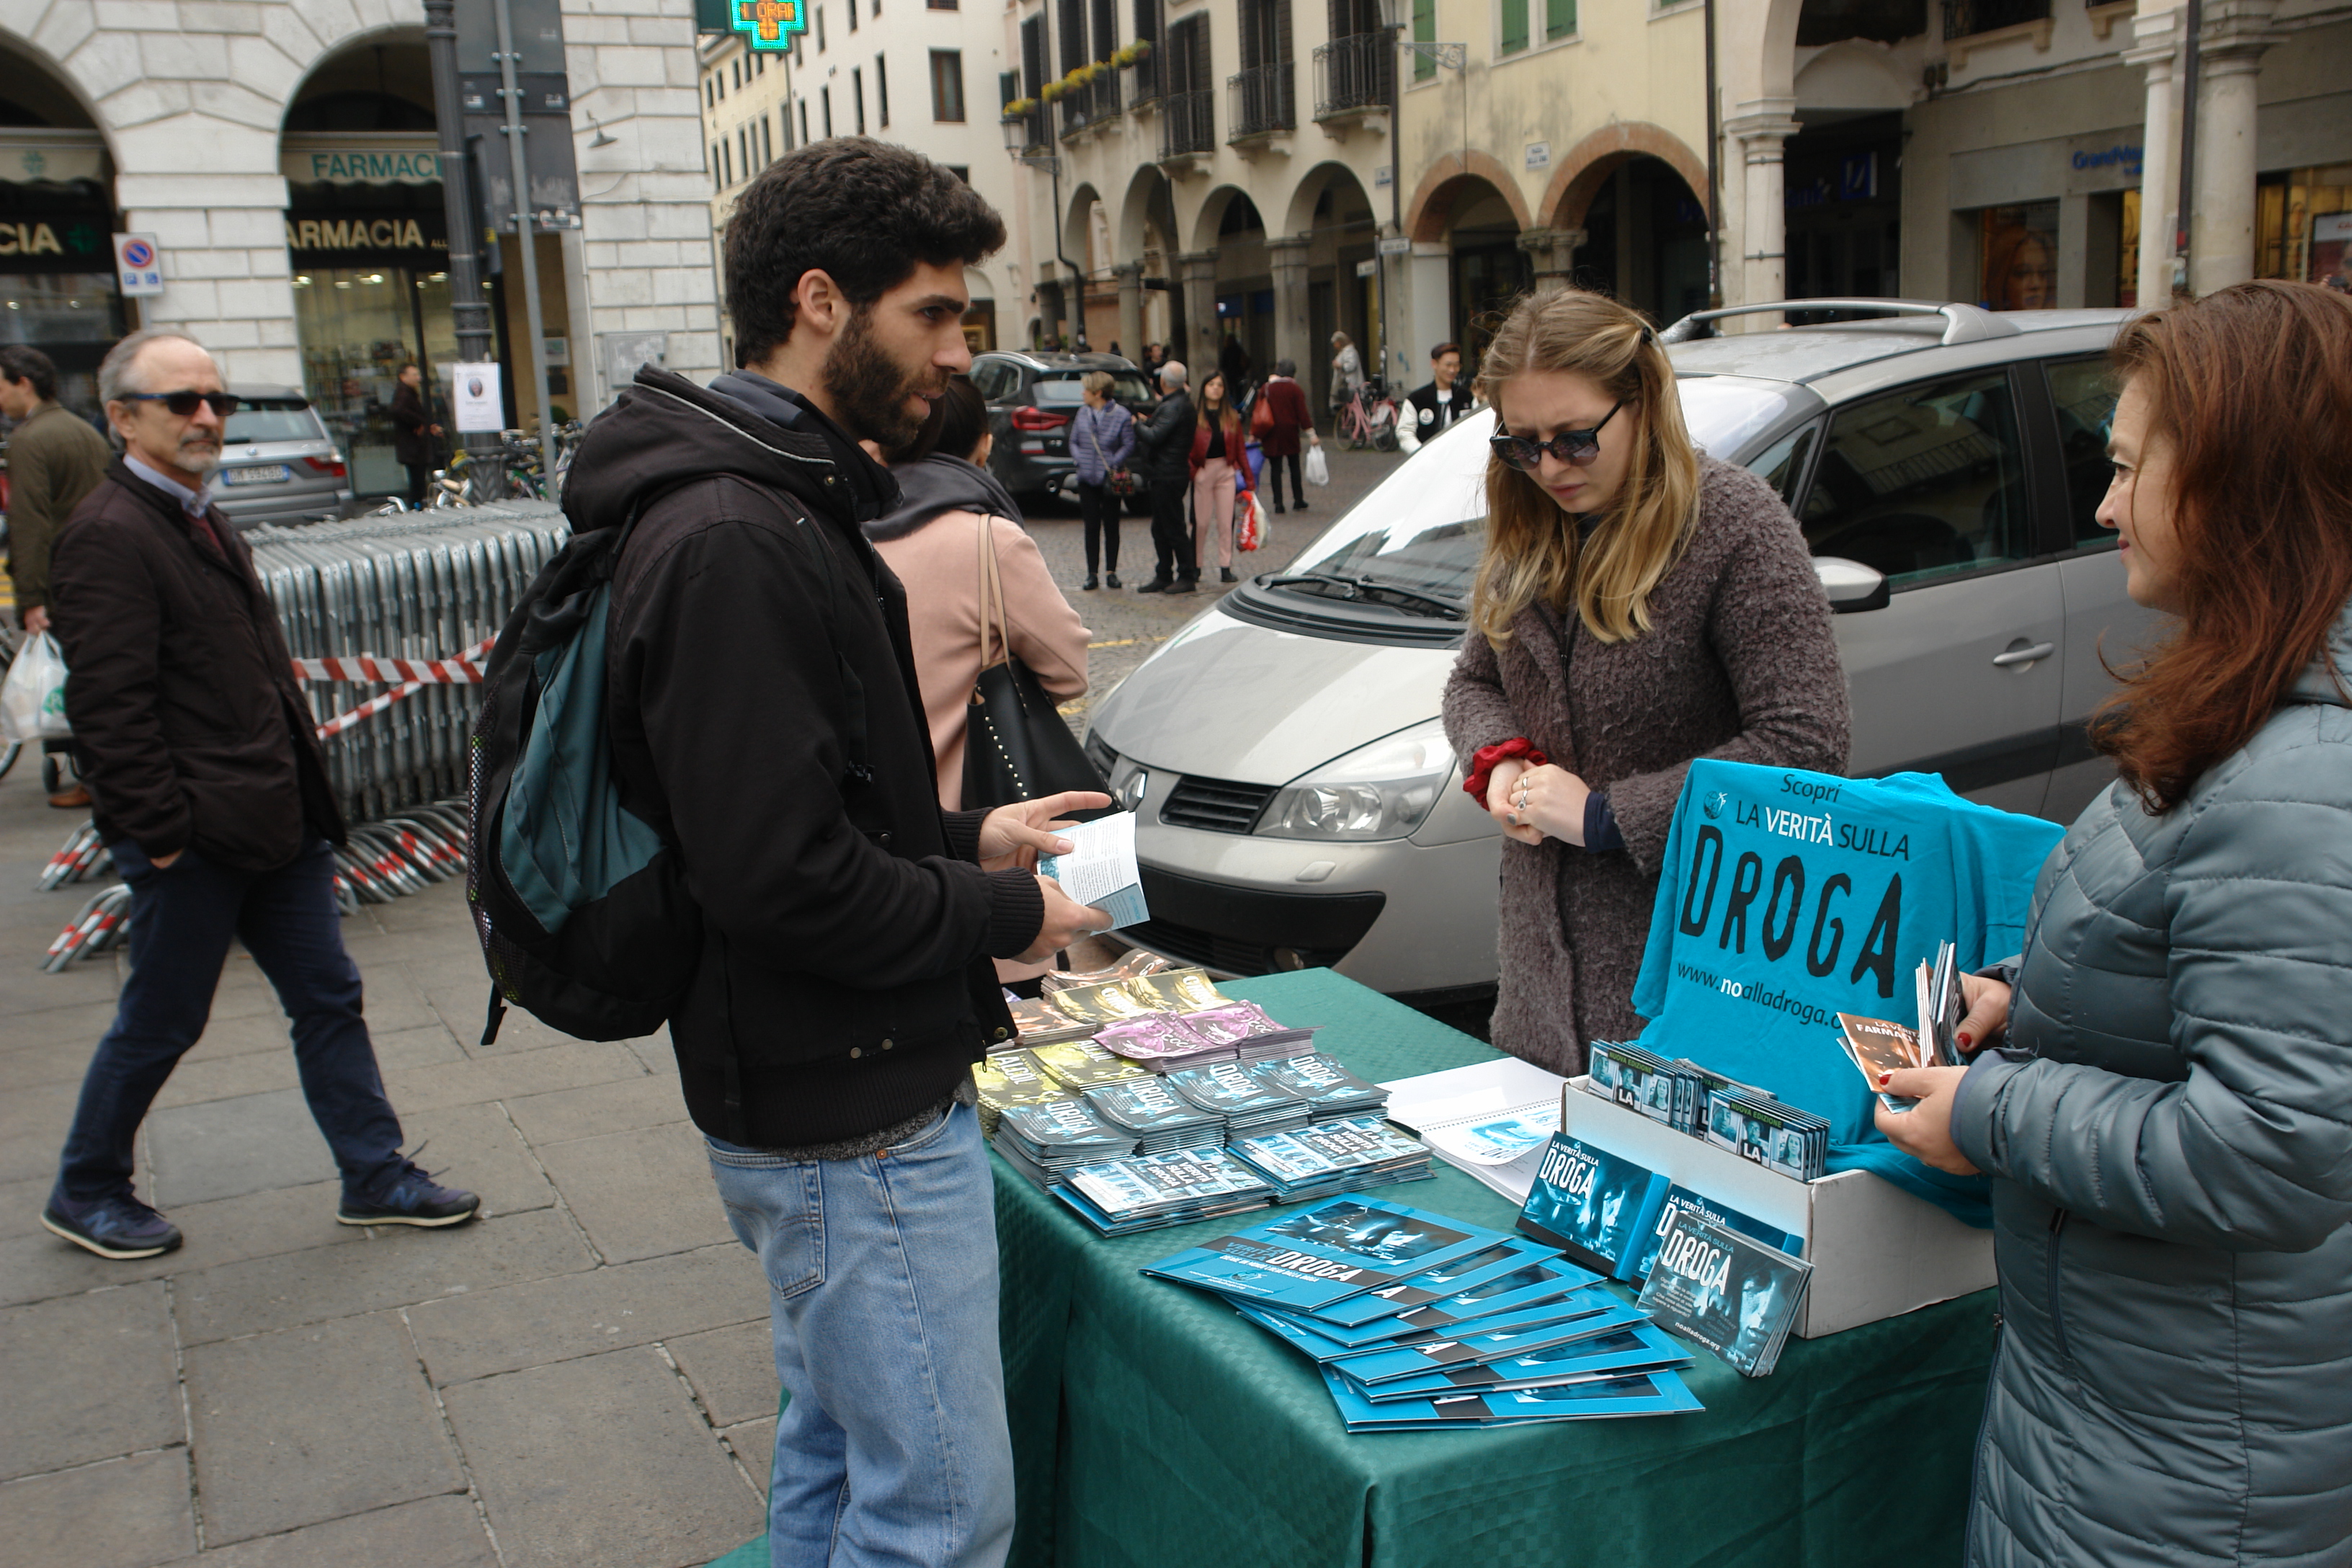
(1146, 78)
(1263, 101)
(1023, 131)
(1091, 104)
(1188, 124)
(1965, 18)
(1352, 74)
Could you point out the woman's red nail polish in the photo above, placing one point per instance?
(1884, 1076)
(1967, 1040)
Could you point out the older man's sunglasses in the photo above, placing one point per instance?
(183, 404)
(1577, 446)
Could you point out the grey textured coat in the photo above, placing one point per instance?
(1739, 663)
(2170, 1130)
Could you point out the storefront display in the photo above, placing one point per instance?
(2300, 223)
(2018, 247)
(58, 292)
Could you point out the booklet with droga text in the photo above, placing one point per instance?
(1100, 870)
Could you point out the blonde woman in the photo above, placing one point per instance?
(1638, 605)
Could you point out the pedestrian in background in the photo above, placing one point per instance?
(1220, 470)
(413, 431)
(1102, 438)
(211, 793)
(765, 714)
(1347, 372)
(931, 538)
(54, 459)
(1234, 364)
(2166, 1112)
(1283, 404)
(1638, 605)
(1163, 444)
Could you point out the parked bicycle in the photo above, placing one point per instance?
(1370, 418)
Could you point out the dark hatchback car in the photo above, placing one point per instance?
(1031, 397)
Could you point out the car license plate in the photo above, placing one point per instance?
(260, 474)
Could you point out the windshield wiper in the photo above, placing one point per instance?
(1357, 587)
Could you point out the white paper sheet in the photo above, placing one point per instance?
(1100, 870)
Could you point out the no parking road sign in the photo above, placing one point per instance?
(138, 264)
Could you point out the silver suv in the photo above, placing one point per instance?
(277, 463)
(1298, 804)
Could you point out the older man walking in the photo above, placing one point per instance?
(54, 460)
(211, 791)
(1164, 442)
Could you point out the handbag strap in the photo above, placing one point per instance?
(993, 618)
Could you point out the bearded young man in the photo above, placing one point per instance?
(764, 718)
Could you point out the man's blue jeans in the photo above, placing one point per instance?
(181, 918)
(882, 1295)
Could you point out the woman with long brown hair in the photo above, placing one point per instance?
(1638, 605)
(1221, 471)
(2166, 1114)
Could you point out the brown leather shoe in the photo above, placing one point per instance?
(74, 799)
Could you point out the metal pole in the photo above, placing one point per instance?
(1396, 190)
(1714, 173)
(470, 314)
(525, 239)
(2193, 20)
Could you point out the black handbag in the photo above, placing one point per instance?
(1118, 481)
(1015, 745)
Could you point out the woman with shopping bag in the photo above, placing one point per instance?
(1220, 472)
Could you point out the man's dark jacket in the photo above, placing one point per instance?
(1165, 440)
(188, 726)
(409, 446)
(765, 718)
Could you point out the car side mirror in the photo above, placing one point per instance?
(1852, 587)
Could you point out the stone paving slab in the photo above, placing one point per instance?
(37, 1265)
(130, 1513)
(733, 1370)
(313, 1424)
(641, 1192)
(86, 1378)
(603, 1460)
(432, 1532)
(227, 1147)
(619, 1106)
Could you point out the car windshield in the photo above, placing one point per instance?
(1421, 528)
(272, 420)
(1065, 389)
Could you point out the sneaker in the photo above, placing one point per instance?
(1112, 579)
(411, 1197)
(116, 1226)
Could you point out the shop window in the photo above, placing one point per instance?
(1928, 482)
(947, 85)
(2127, 253)
(2083, 392)
(2302, 224)
(2018, 256)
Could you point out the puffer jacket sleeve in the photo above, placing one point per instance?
(2253, 1152)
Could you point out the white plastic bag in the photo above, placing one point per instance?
(33, 697)
(1318, 466)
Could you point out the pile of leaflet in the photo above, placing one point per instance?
(1007, 1079)
(1331, 1092)
(1327, 1157)
(1236, 1031)
(1160, 1120)
(1420, 1322)
(1079, 1065)
(1038, 1023)
(1120, 1198)
(1248, 1102)
(1046, 1141)
(1706, 1105)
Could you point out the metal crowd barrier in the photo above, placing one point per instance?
(427, 586)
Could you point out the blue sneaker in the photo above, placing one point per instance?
(410, 1198)
(117, 1226)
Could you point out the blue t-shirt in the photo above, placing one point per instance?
(1788, 897)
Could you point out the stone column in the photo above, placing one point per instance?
(1286, 259)
(2154, 52)
(1131, 307)
(1430, 319)
(1762, 129)
(2222, 236)
(1198, 268)
(1553, 253)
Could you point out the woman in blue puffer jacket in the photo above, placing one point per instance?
(2166, 1113)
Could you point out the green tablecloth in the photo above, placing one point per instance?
(1152, 1425)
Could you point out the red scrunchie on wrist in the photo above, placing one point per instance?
(1483, 761)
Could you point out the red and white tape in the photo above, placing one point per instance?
(414, 675)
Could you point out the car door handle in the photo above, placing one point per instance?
(2025, 655)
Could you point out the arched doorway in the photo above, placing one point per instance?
(1147, 238)
(58, 292)
(1336, 268)
(1644, 239)
(1485, 271)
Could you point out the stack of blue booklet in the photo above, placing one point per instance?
(1249, 1103)
(1330, 1090)
(1334, 1156)
(1161, 1120)
(1120, 1198)
(1419, 1322)
(1046, 1141)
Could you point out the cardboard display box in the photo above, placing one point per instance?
(1877, 1251)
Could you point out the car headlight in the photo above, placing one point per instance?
(1381, 791)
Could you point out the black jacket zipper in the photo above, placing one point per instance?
(2057, 1309)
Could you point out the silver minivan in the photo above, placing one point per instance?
(1298, 804)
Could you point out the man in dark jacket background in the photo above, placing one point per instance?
(211, 791)
(765, 718)
(1164, 444)
(54, 459)
(413, 431)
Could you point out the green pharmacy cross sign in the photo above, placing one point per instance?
(768, 23)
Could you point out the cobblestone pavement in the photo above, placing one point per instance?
(582, 1377)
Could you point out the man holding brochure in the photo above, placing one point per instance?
(765, 718)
